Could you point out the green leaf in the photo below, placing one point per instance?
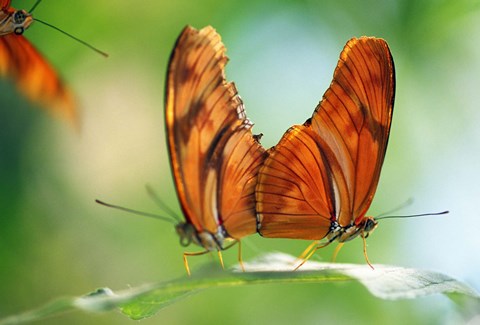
(385, 282)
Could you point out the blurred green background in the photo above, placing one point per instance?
(55, 241)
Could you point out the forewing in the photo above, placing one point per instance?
(34, 76)
(5, 4)
(208, 133)
(354, 120)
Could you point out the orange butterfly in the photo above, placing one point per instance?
(214, 156)
(319, 180)
(22, 62)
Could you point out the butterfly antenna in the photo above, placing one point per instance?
(145, 214)
(414, 215)
(34, 6)
(405, 204)
(153, 195)
(71, 36)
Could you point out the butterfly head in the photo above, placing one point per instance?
(367, 226)
(186, 232)
(205, 239)
(20, 21)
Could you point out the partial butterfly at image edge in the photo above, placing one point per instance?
(33, 75)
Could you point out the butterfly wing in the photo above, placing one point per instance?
(5, 4)
(294, 190)
(355, 117)
(328, 168)
(214, 156)
(34, 76)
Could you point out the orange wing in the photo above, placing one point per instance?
(34, 76)
(5, 4)
(215, 158)
(328, 169)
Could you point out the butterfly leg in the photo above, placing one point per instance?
(365, 251)
(240, 260)
(335, 252)
(185, 261)
(312, 251)
(220, 258)
(306, 251)
(239, 254)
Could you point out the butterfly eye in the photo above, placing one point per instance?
(19, 17)
(370, 224)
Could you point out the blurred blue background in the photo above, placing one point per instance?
(55, 241)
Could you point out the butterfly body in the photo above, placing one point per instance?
(319, 180)
(346, 233)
